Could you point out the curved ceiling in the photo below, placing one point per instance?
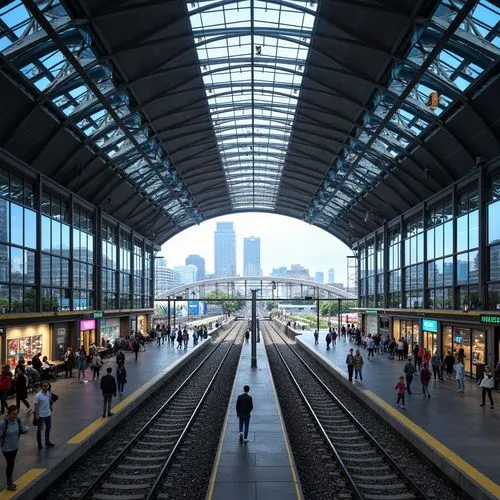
(169, 113)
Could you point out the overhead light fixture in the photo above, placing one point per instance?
(369, 216)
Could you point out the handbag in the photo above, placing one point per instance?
(53, 397)
(35, 420)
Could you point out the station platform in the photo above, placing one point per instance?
(77, 415)
(263, 468)
(450, 423)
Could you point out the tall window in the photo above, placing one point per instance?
(439, 234)
(394, 267)
(109, 265)
(18, 235)
(83, 263)
(379, 269)
(494, 245)
(413, 262)
(362, 276)
(55, 252)
(148, 278)
(467, 259)
(370, 273)
(138, 274)
(125, 269)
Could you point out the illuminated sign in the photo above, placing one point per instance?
(371, 311)
(97, 315)
(87, 324)
(430, 325)
(490, 319)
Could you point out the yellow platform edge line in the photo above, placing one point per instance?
(22, 482)
(467, 469)
(298, 489)
(215, 469)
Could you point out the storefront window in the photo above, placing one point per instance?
(25, 342)
(478, 349)
(410, 331)
(473, 343)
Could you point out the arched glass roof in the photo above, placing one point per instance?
(252, 56)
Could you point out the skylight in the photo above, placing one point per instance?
(252, 56)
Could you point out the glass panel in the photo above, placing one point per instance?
(16, 265)
(448, 238)
(46, 238)
(65, 240)
(474, 229)
(29, 299)
(448, 271)
(493, 222)
(56, 237)
(473, 266)
(438, 236)
(46, 273)
(29, 267)
(462, 268)
(4, 183)
(16, 189)
(16, 224)
(4, 263)
(430, 244)
(4, 220)
(64, 272)
(495, 263)
(30, 231)
(56, 271)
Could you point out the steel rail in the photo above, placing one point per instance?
(87, 493)
(403, 475)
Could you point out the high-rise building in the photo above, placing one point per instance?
(199, 262)
(331, 275)
(184, 275)
(319, 277)
(300, 272)
(279, 272)
(251, 256)
(225, 250)
(164, 277)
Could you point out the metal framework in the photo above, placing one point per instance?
(319, 110)
(268, 289)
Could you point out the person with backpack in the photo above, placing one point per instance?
(11, 430)
(108, 388)
(425, 377)
(185, 337)
(120, 358)
(135, 348)
(22, 389)
(121, 378)
(409, 370)
(436, 366)
(179, 339)
(328, 339)
(358, 366)
(5, 386)
(350, 364)
(95, 364)
(81, 364)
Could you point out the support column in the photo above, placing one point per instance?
(483, 238)
(317, 312)
(339, 314)
(175, 303)
(254, 329)
(168, 313)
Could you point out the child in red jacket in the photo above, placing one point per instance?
(400, 390)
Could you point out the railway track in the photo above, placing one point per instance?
(137, 472)
(369, 472)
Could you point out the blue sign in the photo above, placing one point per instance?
(430, 325)
(194, 307)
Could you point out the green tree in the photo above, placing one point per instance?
(271, 305)
(224, 300)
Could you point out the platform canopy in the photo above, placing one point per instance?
(165, 113)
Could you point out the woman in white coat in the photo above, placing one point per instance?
(487, 385)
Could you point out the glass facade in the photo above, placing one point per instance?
(434, 254)
(48, 253)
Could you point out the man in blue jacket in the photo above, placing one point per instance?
(244, 406)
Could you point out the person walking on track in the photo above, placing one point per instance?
(244, 406)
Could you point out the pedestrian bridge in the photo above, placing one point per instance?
(267, 289)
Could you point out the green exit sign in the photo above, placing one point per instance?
(490, 319)
(97, 315)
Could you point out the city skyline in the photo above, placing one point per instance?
(284, 242)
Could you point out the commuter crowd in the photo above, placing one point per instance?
(38, 374)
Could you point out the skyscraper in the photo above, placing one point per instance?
(251, 256)
(331, 275)
(164, 276)
(225, 250)
(319, 277)
(199, 262)
(185, 274)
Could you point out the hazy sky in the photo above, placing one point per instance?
(283, 241)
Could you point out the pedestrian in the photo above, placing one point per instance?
(449, 362)
(108, 388)
(415, 357)
(95, 364)
(69, 362)
(159, 338)
(179, 339)
(487, 384)
(5, 386)
(135, 348)
(22, 389)
(43, 414)
(11, 430)
(172, 336)
(400, 390)
(401, 347)
(185, 338)
(247, 336)
(350, 364)
(370, 344)
(334, 338)
(425, 376)
(409, 370)
(121, 378)
(244, 407)
(316, 337)
(436, 366)
(497, 374)
(120, 358)
(328, 339)
(460, 375)
(81, 364)
(358, 366)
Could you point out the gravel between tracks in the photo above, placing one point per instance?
(87, 467)
(417, 468)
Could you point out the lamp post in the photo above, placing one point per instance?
(254, 329)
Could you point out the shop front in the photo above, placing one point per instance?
(410, 330)
(62, 341)
(430, 328)
(109, 330)
(139, 323)
(26, 341)
(87, 333)
(472, 341)
(371, 324)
